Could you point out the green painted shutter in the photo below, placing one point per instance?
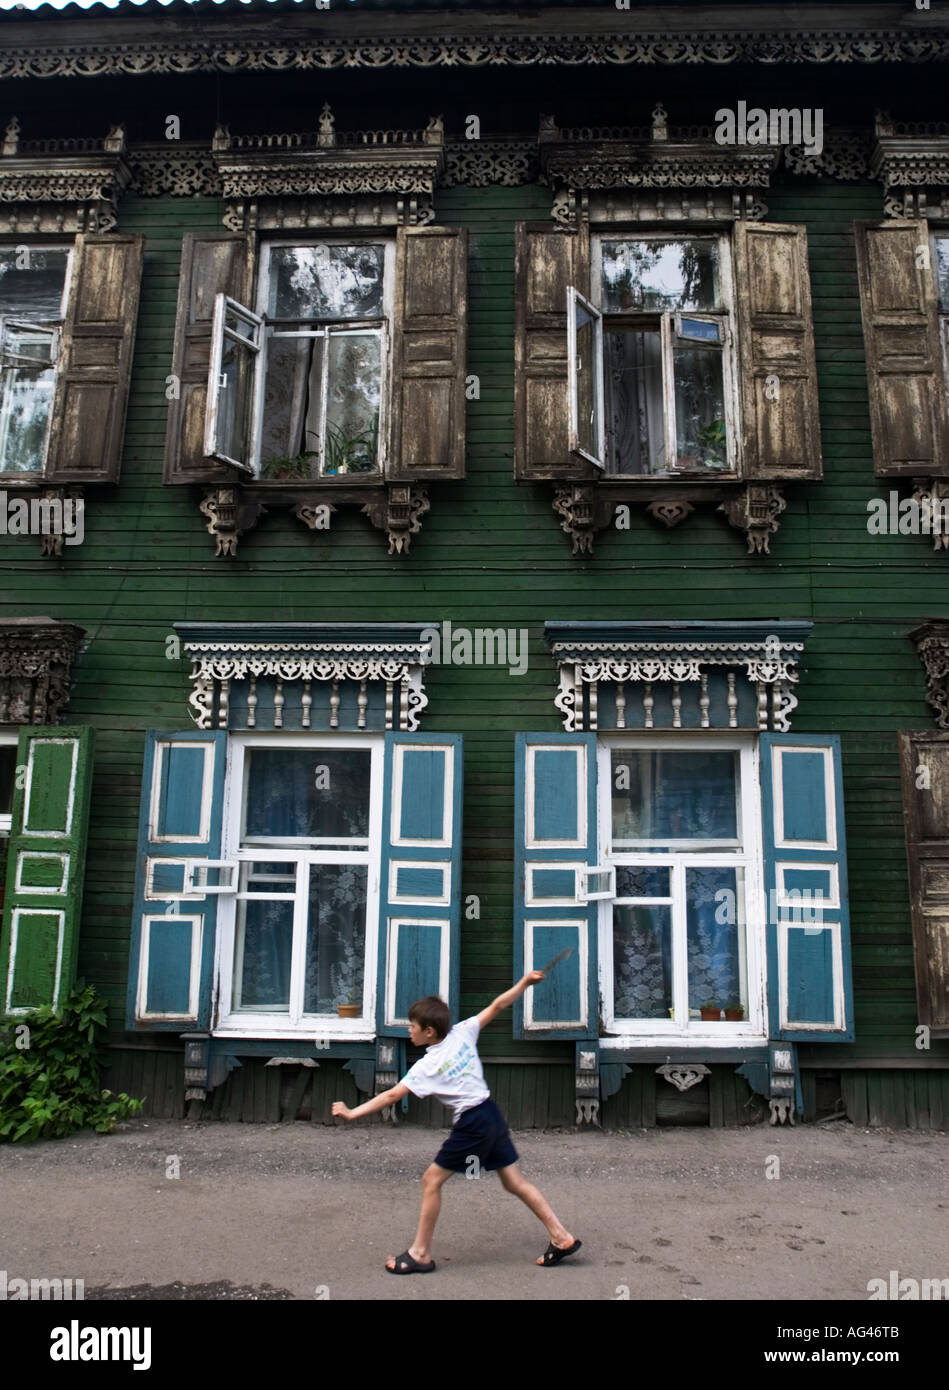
(45, 867)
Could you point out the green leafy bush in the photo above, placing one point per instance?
(51, 1088)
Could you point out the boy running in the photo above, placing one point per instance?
(451, 1070)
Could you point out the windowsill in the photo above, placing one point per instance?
(652, 479)
(334, 1029)
(22, 479)
(723, 1036)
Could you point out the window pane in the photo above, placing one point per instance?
(7, 775)
(634, 423)
(262, 952)
(661, 795)
(639, 881)
(290, 431)
(352, 408)
(700, 408)
(658, 276)
(235, 401)
(307, 793)
(642, 962)
(715, 931)
(35, 290)
(588, 432)
(326, 282)
(336, 937)
(27, 386)
(942, 273)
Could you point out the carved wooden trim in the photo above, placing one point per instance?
(755, 511)
(37, 656)
(583, 512)
(229, 515)
(399, 513)
(932, 647)
(61, 186)
(911, 161)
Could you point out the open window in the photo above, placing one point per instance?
(34, 289)
(662, 379)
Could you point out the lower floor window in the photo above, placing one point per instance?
(304, 829)
(681, 831)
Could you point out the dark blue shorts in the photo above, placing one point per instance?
(480, 1133)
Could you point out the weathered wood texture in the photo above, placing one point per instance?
(491, 555)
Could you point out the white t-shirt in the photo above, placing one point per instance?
(451, 1070)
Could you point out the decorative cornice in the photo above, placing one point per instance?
(650, 654)
(61, 186)
(932, 646)
(911, 160)
(37, 656)
(288, 43)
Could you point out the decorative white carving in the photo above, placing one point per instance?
(782, 1111)
(682, 1078)
(588, 1112)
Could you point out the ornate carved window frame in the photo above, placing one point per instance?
(246, 676)
(669, 662)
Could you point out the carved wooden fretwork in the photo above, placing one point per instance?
(399, 513)
(932, 497)
(670, 511)
(248, 43)
(656, 682)
(369, 177)
(61, 186)
(229, 515)
(37, 656)
(845, 155)
(683, 1077)
(582, 512)
(609, 174)
(911, 160)
(240, 679)
(932, 645)
(755, 510)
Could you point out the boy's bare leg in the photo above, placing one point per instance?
(433, 1179)
(514, 1181)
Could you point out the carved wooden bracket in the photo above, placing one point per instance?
(755, 511)
(399, 514)
(229, 516)
(669, 511)
(932, 496)
(582, 514)
(932, 646)
(683, 1077)
(36, 662)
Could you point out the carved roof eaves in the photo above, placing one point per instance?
(144, 45)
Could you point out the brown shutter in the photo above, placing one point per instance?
(548, 261)
(209, 266)
(780, 417)
(95, 360)
(904, 361)
(925, 757)
(429, 333)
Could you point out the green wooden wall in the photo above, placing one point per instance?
(491, 554)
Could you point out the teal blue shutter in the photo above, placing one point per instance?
(420, 889)
(46, 858)
(555, 835)
(810, 990)
(172, 954)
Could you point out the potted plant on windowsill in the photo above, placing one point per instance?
(280, 470)
(346, 983)
(734, 1012)
(350, 1010)
(710, 1012)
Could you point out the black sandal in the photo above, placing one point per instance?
(404, 1264)
(553, 1255)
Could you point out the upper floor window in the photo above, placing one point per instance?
(299, 388)
(34, 284)
(941, 264)
(650, 369)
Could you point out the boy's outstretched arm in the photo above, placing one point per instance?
(505, 1000)
(369, 1107)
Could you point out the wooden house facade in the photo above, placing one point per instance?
(473, 488)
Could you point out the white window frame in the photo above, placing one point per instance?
(575, 301)
(350, 325)
(936, 235)
(55, 328)
(8, 740)
(750, 858)
(669, 322)
(296, 1024)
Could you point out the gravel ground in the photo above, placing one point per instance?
(303, 1212)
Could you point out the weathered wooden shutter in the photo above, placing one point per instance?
(925, 765)
(429, 339)
(45, 866)
(95, 362)
(420, 890)
(209, 266)
(548, 262)
(777, 364)
(904, 360)
(810, 990)
(172, 954)
(555, 834)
